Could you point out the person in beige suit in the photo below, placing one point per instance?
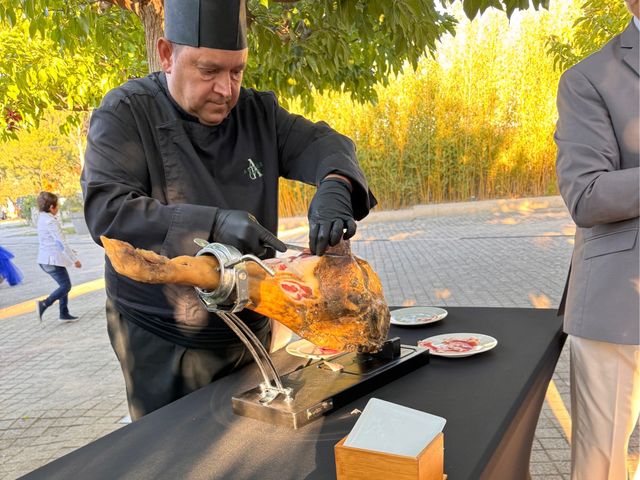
(599, 179)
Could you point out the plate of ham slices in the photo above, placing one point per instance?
(306, 349)
(458, 344)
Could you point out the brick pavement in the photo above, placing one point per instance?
(61, 387)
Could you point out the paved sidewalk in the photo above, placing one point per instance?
(61, 386)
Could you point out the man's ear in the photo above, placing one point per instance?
(165, 50)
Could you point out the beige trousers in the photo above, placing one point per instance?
(605, 404)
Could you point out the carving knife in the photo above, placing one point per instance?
(300, 248)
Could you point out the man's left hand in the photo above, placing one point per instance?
(330, 214)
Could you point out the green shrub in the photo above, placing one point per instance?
(27, 204)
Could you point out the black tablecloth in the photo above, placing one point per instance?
(491, 402)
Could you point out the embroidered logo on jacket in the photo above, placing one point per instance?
(253, 170)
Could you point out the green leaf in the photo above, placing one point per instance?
(11, 17)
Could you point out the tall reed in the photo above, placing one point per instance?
(475, 122)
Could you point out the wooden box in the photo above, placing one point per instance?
(358, 464)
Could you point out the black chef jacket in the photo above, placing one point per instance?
(154, 177)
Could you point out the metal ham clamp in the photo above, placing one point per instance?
(231, 296)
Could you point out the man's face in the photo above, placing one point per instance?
(204, 81)
(633, 6)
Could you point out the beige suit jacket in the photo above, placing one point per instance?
(599, 179)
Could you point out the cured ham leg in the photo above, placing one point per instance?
(334, 301)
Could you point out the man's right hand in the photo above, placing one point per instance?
(240, 229)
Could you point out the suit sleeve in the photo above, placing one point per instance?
(121, 200)
(309, 151)
(594, 188)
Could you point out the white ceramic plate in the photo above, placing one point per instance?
(413, 316)
(306, 349)
(458, 344)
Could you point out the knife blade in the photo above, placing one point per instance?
(300, 248)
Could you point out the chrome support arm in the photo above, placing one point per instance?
(231, 296)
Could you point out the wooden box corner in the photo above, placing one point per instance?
(358, 464)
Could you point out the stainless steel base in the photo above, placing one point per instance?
(318, 390)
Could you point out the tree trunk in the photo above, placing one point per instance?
(81, 137)
(153, 30)
(151, 14)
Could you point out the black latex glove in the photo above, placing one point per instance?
(240, 229)
(330, 214)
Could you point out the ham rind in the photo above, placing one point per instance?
(334, 301)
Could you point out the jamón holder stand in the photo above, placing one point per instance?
(307, 393)
(231, 296)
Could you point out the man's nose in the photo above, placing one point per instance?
(222, 85)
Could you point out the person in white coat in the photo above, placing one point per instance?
(54, 256)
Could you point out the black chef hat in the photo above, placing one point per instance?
(220, 24)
